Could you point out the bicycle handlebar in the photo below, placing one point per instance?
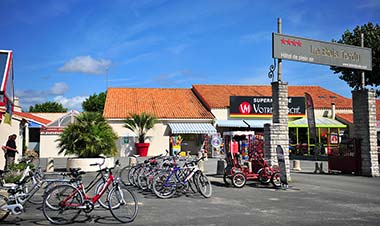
(97, 163)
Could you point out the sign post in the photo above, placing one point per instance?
(318, 52)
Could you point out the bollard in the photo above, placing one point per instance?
(297, 165)
(321, 168)
(316, 167)
(220, 167)
(50, 165)
(132, 161)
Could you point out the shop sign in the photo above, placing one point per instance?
(51, 130)
(333, 138)
(247, 106)
(328, 53)
(216, 141)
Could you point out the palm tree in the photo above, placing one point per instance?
(140, 124)
(89, 137)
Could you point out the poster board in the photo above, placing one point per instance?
(282, 165)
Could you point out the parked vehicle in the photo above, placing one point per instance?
(256, 168)
(63, 203)
(25, 190)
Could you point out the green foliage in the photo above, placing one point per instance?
(95, 103)
(371, 40)
(89, 137)
(15, 171)
(48, 107)
(140, 124)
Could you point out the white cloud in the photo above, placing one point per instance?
(59, 88)
(32, 97)
(86, 64)
(73, 103)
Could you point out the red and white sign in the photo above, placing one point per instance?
(51, 130)
(334, 138)
(245, 108)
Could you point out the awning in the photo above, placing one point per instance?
(258, 123)
(32, 124)
(231, 123)
(320, 123)
(192, 128)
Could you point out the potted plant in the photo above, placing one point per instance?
(140, 124)
(89, 137)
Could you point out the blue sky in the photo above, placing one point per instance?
(66, 50)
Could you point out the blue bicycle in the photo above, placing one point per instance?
(168, 182)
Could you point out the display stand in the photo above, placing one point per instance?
(238, 142)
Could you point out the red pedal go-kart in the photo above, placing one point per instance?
(256, 168)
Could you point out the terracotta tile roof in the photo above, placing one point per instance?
(218, 96)
(30, 116)
(349, 118)
(162, 102)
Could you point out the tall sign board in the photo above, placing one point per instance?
(312, 51)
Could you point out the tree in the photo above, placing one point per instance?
(371, 40)
(140, 124)
(89, 137)
(48, 107)
(95, 103)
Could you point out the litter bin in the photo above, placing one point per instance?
(220, 167)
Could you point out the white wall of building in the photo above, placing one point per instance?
(48, 146)
(5, 131)
(159, 138)
(220, 113)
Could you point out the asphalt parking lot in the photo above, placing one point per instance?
(312, 199)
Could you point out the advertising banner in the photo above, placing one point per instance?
(251, 106)
(311, 118)
(282, 165)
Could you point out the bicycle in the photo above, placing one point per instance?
(21, 192)
(166, 183)
(64, 203)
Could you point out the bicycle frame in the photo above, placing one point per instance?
(82, 189)
(175, 171)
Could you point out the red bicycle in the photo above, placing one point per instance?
(256, 168)
(63, 203)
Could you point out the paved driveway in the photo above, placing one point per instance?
(312, 199)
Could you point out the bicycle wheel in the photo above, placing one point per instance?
(123, 175)
(204, 185)
(136, 174)
(30, 183)
(264, 175)
(239, 180)
(103, 200)
(130, 175)
(226, 179)
(192, 185)
(142, 180)
(4, 212)
(123, 204)
(276, 180)
(61, 204)
(160, 189)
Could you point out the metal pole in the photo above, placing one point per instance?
(362, 45)
(279, 61)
